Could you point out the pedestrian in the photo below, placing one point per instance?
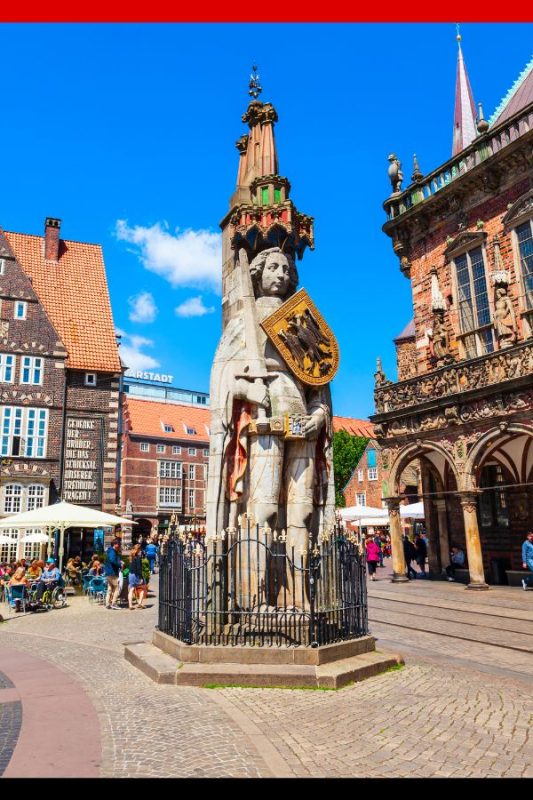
(421, 550)
(377, 540)
(409, 553)
(457, 561)
(135, 577)
(111, 572)
(372, 557)
(151, 555)
(527, 560)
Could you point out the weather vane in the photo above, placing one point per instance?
(458, 29)
(255, 87)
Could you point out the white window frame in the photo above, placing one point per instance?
(171, 469)
(360, 475)
(144, 447)
(192, 472)
(4, 366)
(8, 552)
(160, 448)
(167, 427)
(35, 496)
(192, 451)
(2, 266)
(192, 499)
(372, 473)
(13, 498)
(358, 497)
(34, 366)
(170, 496)
(90, 379)
(23, 306)
(29, 425)
(176, 450)
(206, 452)
(477, 330)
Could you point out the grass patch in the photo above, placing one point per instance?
(248, 686)
(395, 668)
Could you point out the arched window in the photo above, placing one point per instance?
(13, 498)
(8, 551)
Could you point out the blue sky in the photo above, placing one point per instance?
(126, 132)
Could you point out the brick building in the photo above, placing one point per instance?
(463, 401)
(165, 449)
(369, 482)
(59, 377)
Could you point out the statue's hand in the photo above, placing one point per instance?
(252, 392)
(311, 426)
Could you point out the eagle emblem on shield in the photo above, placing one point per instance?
(304, 340)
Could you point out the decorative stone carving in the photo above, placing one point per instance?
(523, 207)
(504, 316)
(380, 379)
(494, 368)
(395, 174)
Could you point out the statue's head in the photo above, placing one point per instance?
(273, 274)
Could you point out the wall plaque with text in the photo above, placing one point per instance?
(82, 476)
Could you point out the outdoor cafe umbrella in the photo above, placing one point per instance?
(61, 516)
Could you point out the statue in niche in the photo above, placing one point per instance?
(504, 317)
(439, 339)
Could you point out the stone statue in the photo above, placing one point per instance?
(271, 434)
(439, 339)
(504, 318)
(395, 173)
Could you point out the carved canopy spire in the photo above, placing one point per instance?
(464, 118)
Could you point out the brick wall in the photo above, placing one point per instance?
(406, 359)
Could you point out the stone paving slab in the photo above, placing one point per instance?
(430, 600)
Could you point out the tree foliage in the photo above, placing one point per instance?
(347, 451)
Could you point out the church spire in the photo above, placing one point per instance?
(464, 119)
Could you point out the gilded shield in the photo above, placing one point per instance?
(300, 334)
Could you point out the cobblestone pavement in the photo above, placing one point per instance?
(444, 714)
(10, 722)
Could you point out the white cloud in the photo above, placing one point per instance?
(184, 258)
(193, 307)
(131, 351)
(143, 308)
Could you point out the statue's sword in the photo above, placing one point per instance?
(256, 370)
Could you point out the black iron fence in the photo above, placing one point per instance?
(252, 587)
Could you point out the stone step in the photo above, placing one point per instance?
(163, 668)
(156, 664)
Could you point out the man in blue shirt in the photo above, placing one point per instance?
(151, 553)
(527, 560)
(111, 572)
(50, 577)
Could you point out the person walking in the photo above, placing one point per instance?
(372, 557)
(409, 553)
(151, 554)
(421, 551)
(111, 572)
(135, 577)
(527, 560)
(377, 540)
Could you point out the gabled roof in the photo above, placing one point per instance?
(148, 418)
(355, 427)
(74, 294)
(407, 333)
(518, 97)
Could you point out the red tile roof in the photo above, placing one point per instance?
(75, 296)
(147, 418)
(355, 427)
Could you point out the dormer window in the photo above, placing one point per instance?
(90, 379)
(189, 430)
(167, 427)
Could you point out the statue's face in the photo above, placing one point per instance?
(275, 279)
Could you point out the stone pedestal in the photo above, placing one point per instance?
(167, 660)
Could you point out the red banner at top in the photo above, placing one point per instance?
(303, 11)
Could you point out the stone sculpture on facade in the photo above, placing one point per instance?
(395, 173)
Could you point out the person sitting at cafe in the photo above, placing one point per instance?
(34, 571)
(96, 568)
(18, 579)
(50, 578)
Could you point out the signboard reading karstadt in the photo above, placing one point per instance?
(82, 478)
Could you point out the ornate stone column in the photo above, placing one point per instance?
(444, 539)
(473, 543)
(395, 526)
